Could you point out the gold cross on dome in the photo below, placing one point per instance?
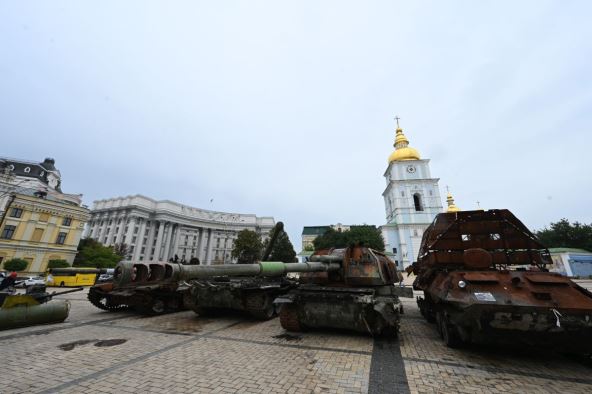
(397, 119)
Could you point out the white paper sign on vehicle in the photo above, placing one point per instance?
(484, 297)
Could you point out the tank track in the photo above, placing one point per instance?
(95, 298)
(289, 318)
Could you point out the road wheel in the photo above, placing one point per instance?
(450, 333)
(260, 306)
(439, 323)
(289, 318)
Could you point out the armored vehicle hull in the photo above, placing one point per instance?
(484, 280)
(252, 295)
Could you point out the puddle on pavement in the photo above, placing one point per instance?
(288, 337)
(69, 346)
(110, 342)
(99, 343)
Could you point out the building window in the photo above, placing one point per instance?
(131, 249)
(402, 194)
(8, 232)
(62, 238)
(394, 250)
(67, 222)
(16, 213)
(133, 240)
(143, 250)
(105, 240)
(136, 230)
(417, 202)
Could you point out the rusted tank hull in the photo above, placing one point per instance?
(375, 311)
(252, 295)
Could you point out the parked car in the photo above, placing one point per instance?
(105, 278)
(33, 280)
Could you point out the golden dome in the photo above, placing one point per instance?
(451, 206)
(402, 149)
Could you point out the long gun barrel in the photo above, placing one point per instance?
(146, 273)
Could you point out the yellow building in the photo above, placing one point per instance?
(39, 230)
(38, 222)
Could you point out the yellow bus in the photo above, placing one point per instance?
(72, 277)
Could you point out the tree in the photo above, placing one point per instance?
(58, 263)
(121, 249)
(283, 250)
(566, 235)
(247, 247)
(92, 253)
(16, 265)
(366, 235)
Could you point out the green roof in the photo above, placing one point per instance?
(568, 250)
(315, 230)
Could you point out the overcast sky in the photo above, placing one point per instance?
(286, 109)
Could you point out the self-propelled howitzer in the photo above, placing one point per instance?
(361, 295)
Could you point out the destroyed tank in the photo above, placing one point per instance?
(252, 294)
(134, 275)
(361, 294)
(151, 291)
(34, 307)
(484, 278)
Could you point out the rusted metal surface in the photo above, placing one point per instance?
(362, 295)
(484, 279)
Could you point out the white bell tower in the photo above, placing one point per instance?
(411, 201)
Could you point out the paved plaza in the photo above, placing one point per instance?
(96, 351)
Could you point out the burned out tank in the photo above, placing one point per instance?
(361, 294)
(151, 291)
(252, 294)
(484, 278)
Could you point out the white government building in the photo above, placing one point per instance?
(159, 230)
(411, 200)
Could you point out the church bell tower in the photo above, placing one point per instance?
(411, 201)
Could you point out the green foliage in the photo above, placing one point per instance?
(564, 234)
(58, 263)
(309, 248)
(16, 265)
(247, 247)
(369, 236)
(92, 253)
(283, 250)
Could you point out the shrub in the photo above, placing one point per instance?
(59, 263)
(16, 265)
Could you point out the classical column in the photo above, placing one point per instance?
(209, 245)
(120, 231)
(139, 239)
(200, 252)
(156, 255)
(167, 244)
(101, 233)
(130, 230)
(175, 245)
